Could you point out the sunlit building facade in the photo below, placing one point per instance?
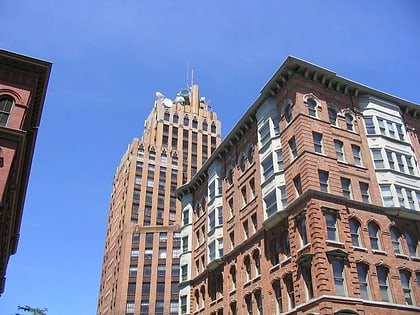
(141, 268)
(23, 86)
(310, 205)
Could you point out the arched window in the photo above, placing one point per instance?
(247, 264)
(396, 240)
(355, 232)
(205, 125)
(233, 277)
(241, 162)
(6, 104)
(229, 175)
(362, 273)
(186, 120)
(275, 251)
(332, 115)
(250, 154)
(411, 244)
(175, 118)
(285, 244)
(166, 116)
(312, 107)
(213, 127)
(194, 123)
(288, 112)
(349, 122)
(374, 230)
(1, 158)
(257, 263)
(197, 299)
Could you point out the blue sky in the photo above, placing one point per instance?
(109, 58)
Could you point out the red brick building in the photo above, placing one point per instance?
(311, 205)
(23, 85)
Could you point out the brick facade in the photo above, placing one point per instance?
(343, 238)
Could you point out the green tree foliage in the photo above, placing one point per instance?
(33, 311)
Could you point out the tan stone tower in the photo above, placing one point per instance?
(140, 272)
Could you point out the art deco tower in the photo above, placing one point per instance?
(140, 272)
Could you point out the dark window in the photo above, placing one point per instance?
(6, 104)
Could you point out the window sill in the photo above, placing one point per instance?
(307, 245)
(232, 292)
(379, 252)
(275, 267)
(402, 256)
(360, 249)
(286, 261)
(415, 258)
(256, 278)
(334, 243)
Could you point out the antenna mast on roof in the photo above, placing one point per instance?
(192, 77)
(188, 73)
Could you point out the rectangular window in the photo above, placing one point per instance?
(390, 160)
(400, 162)
(387, 195)
(265, 133)
(219, 215)
(410, 165)
(276, 126)
(267, 166)
(147, 270)
(212, 250)
(185, 243)
(184, 272)
(135, 253)
(400, 195)
(186, 217)
(270, 204)
(212, 220)
(280, 163)
(323, 181)
(160, 288)
(364, 190)
(159, 307)
(183, 300)
(246, 229)
(339, 153)
(381, 124)
(130, 307)
(283, 194)
(370, 126)
(377, 158)
(144, 307)
(400, 132)
(391, 130)
(331, 221)
(133, 271)
(345, 186)
(212, 190)
(357, 159)
(162, 253)
(317, 138)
